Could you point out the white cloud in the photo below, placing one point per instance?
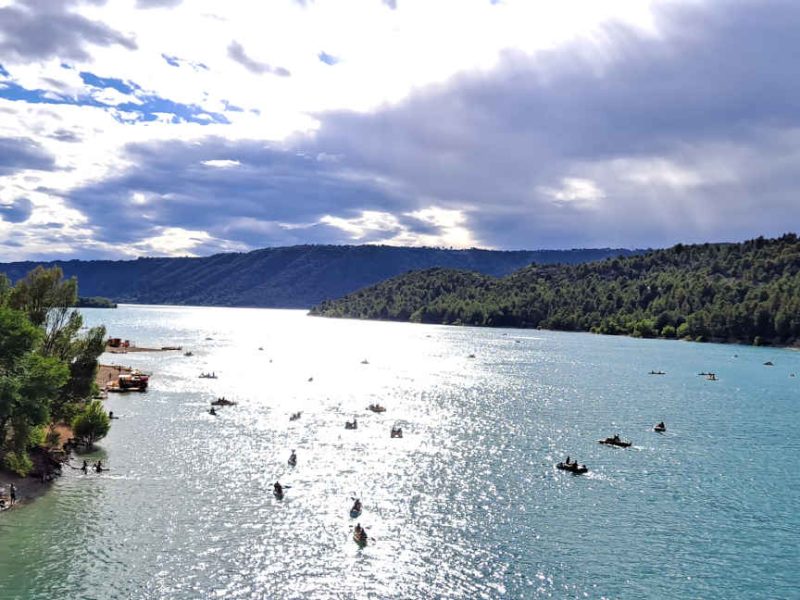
(222, 163)
(448, 228)
(575, 190)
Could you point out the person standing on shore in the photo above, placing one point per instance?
(13, 494)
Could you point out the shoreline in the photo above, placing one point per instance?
(30, 488)
(795, 345)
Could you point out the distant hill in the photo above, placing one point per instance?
(748, 292)
(290, 277)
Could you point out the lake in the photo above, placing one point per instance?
(467, 504)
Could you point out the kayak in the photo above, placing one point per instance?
(292, 462)
(278, 494)
(355, 513)
(572, 469)
(612, 442)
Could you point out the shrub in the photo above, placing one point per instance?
(18, 462)
(92, 423)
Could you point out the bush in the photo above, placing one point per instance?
(18, 462)
(668, 331)
(37, 436)
(92, 423)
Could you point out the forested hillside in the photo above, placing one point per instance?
(748, 292)
(296, 276)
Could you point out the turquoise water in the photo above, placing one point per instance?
(467, 505)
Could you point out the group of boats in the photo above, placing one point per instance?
(360, 535)
(614, 440)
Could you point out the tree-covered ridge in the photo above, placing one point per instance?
(47, 366)
(290, 277)
(747, 292)
(95, 302)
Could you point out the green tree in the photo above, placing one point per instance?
(92, 423)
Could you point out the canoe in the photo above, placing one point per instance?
(572, 469)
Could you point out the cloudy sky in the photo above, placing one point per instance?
(169, 127)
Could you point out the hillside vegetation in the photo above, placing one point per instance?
(291, 277)
(747, 292)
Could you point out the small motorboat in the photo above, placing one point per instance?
(769, 363)
(223, 402)
(261, 347)
(657, 373)
(376, 408)
(615, 441)
(470, 356)
(397, 432)
(572, 468)
(365, 362)
(189, 353)
(660, 428)
(295, 416)
(351, 424)
(711, 377)
(208, 375)
(310, 379)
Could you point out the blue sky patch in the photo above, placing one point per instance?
(149, 108)
(108, 82)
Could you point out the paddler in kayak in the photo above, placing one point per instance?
(292, 459)
(277, 489)
(356, 510)
(360, 535)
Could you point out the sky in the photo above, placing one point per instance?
(182, 128)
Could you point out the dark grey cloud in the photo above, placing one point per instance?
(42, 29)
(65, 135)
(18, 211)
(17, 154)
(715, 86)
(236, 52)
(169, 185)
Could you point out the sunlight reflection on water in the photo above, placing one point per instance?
(467, 504)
